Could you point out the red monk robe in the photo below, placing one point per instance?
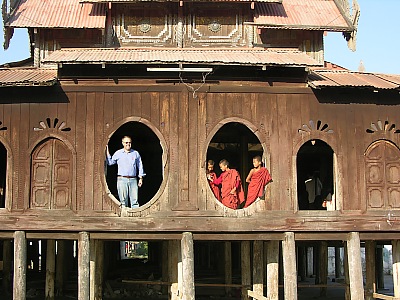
(215, 189)
(229, 180)
(256, 186)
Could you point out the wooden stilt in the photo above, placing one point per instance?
(355, 268)
(338, 263)
(370, 269)
(380, 280)
(187, 251)
(302, 259)
(289, 266)
(228, 265)
(258, 267)
(83, 266)
(174, 262)
(50, 269)
(20, 266)
(396, 267)
(347, 295)
(245, 267)
(273, 270)
(7, 266)
(323, 266)
(164, 266)
(96, 269)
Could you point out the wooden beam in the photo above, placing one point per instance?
(187, 251)
(355, 268)
(83, 266)
(289, 266)
(273, 270)
(50, 270)
(20, 266)
(257, 296)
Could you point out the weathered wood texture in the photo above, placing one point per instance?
(20, 265)
(289, 266)
(354, 265)
(84, 266)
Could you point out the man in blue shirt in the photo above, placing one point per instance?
(130, 172)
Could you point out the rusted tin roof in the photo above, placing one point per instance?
(27, 77)
(344, 78)
(58, 14)
(191, 56)
(300, 14)
(185, 1)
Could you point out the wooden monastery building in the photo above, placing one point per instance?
(192, 81)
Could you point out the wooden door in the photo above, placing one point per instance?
(51, 176)
(383, 175)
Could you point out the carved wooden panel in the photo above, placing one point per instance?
(51, 176)
(383, 176)
(210, 26)
(150, 27)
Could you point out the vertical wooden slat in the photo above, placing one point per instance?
(355, 268)
(258, 267)
(96, 269)
(50, 270)
(117, 107)
(126, 105)
(188, 292)
(90, 141)
(17, 160)
(289, 266)
(245, 267)
(193, 154)
(155, 108)
(83, 266)
(272, 269)
(99, 153)
(20, 266)
(200, 143)
(370, 269)
(80, 147)
(174, 149)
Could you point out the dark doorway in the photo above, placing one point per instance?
(315, 163)
(3, 175)
(236, 143)
(146, 142)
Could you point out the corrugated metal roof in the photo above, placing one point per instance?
(58, 14)
(310, 14)
(193, 56)
(27, 77)
(185, 1)
(329, 78)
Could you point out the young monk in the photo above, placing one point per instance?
(232, 194)
(258, 178)
(211, 176)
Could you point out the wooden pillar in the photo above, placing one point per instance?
(355, 268)
(83, 266)
(20, 265)
(245, 267)
(164, 266)
(323, 266)
(396, 267)
(174, 259)
(370, 269)
(289, 266)
(338, 263)
(272, 270)
(346, 273)
(50, 269)
(258, 267)
(380, 278)
(96, 269)
(316, 263)
(7, 266)
(228, 265)
(302, 260)
(187, 251)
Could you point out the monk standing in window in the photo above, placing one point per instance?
(232, 194)
(211, 176)
(258, 178)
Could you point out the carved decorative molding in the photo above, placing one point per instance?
(52, 124)
(315, 126)
(382, 127)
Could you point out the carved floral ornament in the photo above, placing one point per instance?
(315, 126)
(382, 127)
(214, 26)
(49, 124)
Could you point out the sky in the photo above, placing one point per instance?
(378, 41)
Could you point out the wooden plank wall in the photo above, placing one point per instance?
(187, 124)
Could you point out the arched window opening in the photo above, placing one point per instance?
(146, 142)
(382, 169)
(3, 175)
(315, 177)
(237, 144)
(51, 176)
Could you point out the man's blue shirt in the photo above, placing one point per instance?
(129, 163)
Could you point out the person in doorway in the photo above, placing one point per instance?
(130, 172)
(258, 178)
(211, 176)
(232, 194)
(314, 189)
